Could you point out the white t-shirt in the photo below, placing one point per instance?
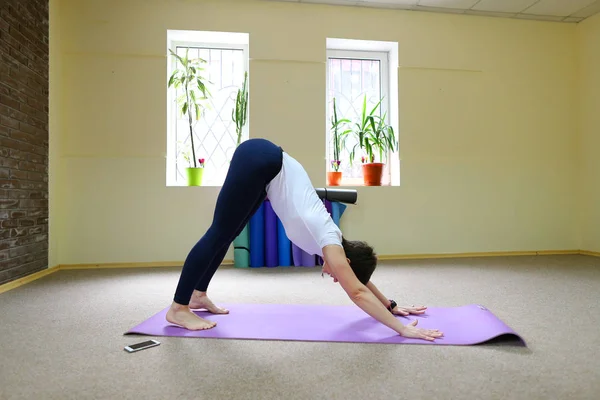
(306, 221)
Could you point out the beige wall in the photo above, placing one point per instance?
(588, 39)
(487, 126)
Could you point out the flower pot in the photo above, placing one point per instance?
(372, 174)
(334, 178)
(194, 176)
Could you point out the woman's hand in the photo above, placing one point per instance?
(411, 331)
(415, 310)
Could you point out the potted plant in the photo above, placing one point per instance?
(375, 137)
(339, 139)
(239, 114)
(194, 175)
(190, 78)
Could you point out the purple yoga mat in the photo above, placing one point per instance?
(466, 325)
(271, 255)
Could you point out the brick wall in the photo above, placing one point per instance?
(23, 137)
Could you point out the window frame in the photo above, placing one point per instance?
(384, 73)
(172, 178)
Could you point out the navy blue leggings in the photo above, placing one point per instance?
(254, 164)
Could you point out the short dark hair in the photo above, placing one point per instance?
(363, 259)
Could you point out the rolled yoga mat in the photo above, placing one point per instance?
(284, 246)
(337, 209)
(257, 237)
(271, 257)
(297, 255)
(466, 325)
(342, 195)
(302, 258)
(327, 204)
(308, 260)
(241, 249)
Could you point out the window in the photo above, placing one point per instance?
(355, 71)
(214, 134)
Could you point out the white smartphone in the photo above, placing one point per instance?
(141, 346)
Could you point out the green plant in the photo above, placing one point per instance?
(380, 138)
(239, 113)
(339, 138)
(186, 156)
(191, 79)
(374, 134)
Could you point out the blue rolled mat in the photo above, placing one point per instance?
(337, 209)
(257, 237)
(284, 246)
(241, 249)
(271, 258)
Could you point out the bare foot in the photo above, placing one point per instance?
(201, 300)
(183, 316)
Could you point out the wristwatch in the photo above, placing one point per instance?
(393, 305)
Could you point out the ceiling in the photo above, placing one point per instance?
(546, 10)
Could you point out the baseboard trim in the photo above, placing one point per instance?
(27, 279)
(153, 264)
(392, 257)
(388, 257)
(122, 265)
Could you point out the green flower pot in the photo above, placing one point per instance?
(194, 176)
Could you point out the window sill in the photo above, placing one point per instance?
(359, 183)
(204, 184)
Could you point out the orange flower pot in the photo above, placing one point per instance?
(372, 174)
(334, 178)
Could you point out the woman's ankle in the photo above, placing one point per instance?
(175, 306)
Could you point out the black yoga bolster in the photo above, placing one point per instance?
(348, 196)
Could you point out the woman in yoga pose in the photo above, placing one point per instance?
(261, 169)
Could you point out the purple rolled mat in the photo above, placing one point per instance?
(328, 206)
(271, 254)
(297, 255)
(302, 258)
(308, 260)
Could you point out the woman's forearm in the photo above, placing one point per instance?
(384, 300)
(370, 304)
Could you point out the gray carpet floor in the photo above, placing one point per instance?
(61, 337)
